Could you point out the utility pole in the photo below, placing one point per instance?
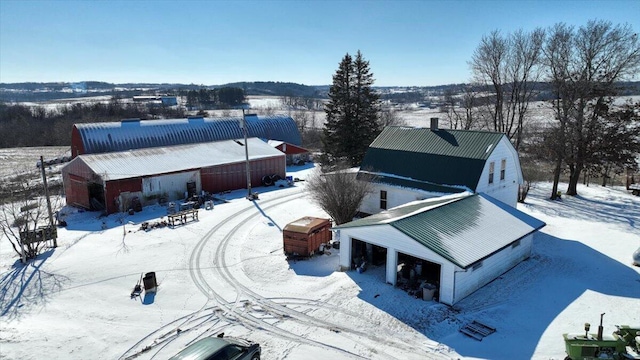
(46, 194)
(243, 125)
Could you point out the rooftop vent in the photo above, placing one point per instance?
(130, 122)
(195, 119)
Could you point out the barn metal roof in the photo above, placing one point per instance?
(444, 157)
(136, 134)
(162, 160)
(463, 228)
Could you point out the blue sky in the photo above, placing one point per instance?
(418, 43)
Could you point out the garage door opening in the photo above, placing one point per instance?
(96, 196)
(374, 255)
(419, 277)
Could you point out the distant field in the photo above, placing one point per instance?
(21, 160)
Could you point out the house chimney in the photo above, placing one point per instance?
(434, 124)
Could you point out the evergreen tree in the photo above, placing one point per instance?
(352, 113)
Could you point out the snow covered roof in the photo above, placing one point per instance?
(136, 134)
(161, 160)
(462, 228)
(275, 143)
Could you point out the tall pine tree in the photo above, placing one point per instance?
(352, 113)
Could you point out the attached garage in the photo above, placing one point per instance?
(458, 242)
(97, 181)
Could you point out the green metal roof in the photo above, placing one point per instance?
(396, 213)
(446, 157)
(463, 229)
(414, 184)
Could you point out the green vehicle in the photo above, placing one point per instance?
(624, 343)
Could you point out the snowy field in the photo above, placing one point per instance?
(16, 161)
(227, 273)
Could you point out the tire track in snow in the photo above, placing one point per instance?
(280, 310)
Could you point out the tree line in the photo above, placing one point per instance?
(219, 98)
(25, 126)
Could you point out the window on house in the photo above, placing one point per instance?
(383, 199)
(503, 168)
(515, 243)
(477, 265)
(492, 166)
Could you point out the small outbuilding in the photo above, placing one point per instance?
(296, 155)
(304, 236)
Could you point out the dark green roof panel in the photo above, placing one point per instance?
(445, 142)
(444, 157)
(416, 184)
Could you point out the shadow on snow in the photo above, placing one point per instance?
(624, 211)
(520, 304)
(27, 284)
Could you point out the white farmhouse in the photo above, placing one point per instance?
(444, 211)
(418, 163)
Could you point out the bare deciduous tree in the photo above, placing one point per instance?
(508, 66)
(583, 67)
(462, 111)
(23, 210)
(302, 119)
(339, 193)
(390, 117)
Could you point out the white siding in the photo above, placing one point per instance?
(395, 241)
(172, 185)
(504, 190)
(396, 196)
(466, 282)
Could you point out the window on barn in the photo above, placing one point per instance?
(383, 199)
(477, 265)
(503, 167)
(492, 166)
(515, 243)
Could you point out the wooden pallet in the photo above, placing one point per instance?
(477, 330)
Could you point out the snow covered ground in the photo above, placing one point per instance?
(226, 272)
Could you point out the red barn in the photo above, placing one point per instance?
(296, 155)
(109, 180)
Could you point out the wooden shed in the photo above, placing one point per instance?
(304, 236)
